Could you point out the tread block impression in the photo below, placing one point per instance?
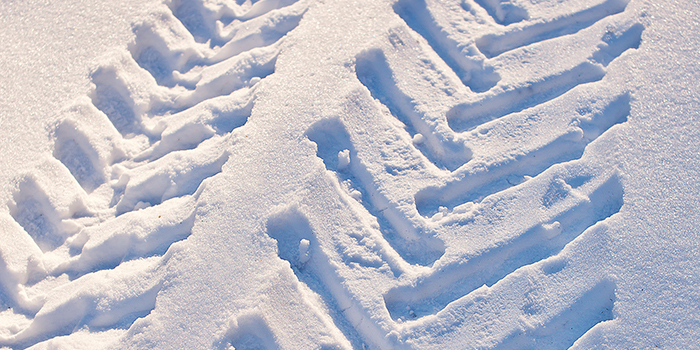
(443, 150)
(32, 209)
(475, 186)
(73, 149)
(534, 244)
(562, 331)
(493, 45)
(469, 66)
(297, 243)
(335, 148)
(544, 88)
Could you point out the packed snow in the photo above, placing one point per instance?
(341, 174)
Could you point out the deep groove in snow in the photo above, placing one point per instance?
(471, 69)
(495, 44)
(475, 186)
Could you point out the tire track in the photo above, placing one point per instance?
(510, 147)
(455, 144)
(146, 139)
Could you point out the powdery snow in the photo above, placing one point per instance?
(339, 174)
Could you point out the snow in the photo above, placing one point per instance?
(343, 159)
(339, 174)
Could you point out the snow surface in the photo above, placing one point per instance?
(340, 174)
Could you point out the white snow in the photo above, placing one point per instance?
(304, 251)
(342, 174)
(343, 159)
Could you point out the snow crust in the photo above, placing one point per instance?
(340, 174)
